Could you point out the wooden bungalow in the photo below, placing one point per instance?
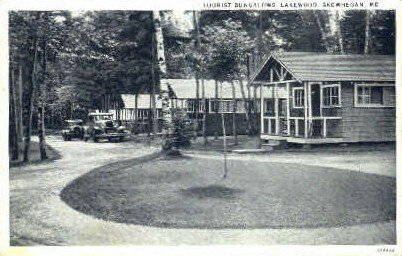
(314, 98)
(219, 98)
(136, 110)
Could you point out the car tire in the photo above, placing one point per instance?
(121, 139)
(96, 139)
(64, 137)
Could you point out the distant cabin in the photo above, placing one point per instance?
(135, 112)
(137, 107)
(318, 98)
(220, 97)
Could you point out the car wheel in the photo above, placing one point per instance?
(69, 137)
(96, 139)
(121, 139)
(64, 137)
(85, 138)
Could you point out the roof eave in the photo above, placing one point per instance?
(263, 65)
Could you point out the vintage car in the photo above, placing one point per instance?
(73, 129)
(102, 126)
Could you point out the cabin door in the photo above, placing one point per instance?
(283, 124)
(315, 109)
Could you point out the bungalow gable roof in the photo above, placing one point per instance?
(143, 101)
(310, 66)
(186, 89)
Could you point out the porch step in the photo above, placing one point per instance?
(252, 151)
(274, 144)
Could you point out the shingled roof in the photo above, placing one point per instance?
(310, 66)
(185, 88)
(143, 101)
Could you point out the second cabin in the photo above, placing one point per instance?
(315, 98)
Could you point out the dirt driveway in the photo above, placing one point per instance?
(39, 217)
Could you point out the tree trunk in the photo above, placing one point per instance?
(153, 117)
(249, 104)
(164, 90)
(135, 123)
(322, 31)
(197, 76)
(367, 38)
(32, 98)
(204, 114)
(225, 168)
(201, 74)
(152, 106)
(18, 110)
(52, 117)
(246, 108)
(41, 133)
(256, 109)
(196, 103)
(41, 113)
(13, 139)
(339, 33)
(234, 113)
(150, 114)
(71, 109)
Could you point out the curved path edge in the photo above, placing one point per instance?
(39, 217)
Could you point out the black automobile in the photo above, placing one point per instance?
(73, 130)
(102, 126)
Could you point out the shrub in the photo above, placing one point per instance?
(182, 129)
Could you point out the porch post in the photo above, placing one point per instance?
(288, 107)
(276, 108)
(310, 108)
(305, 110)
(261, 111)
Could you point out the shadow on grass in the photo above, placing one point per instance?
(34, 155)
(183, 193)
(212, 191)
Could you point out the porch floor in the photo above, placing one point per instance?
(301, 140)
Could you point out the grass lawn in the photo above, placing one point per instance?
(190, 193)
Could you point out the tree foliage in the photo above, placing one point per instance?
(72, 62)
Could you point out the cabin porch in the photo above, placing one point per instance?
(317, 130)
(293, 111)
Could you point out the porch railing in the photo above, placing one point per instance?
(317, 127)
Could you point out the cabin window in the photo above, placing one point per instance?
(214, 106)
(201, 106)
(240, 108)
(374, 95)
(143, 113)
(269, 107)
(190, 106)
(298, 97)
(255, 104)
(331, 95)
(225, 106)
(159, 113)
